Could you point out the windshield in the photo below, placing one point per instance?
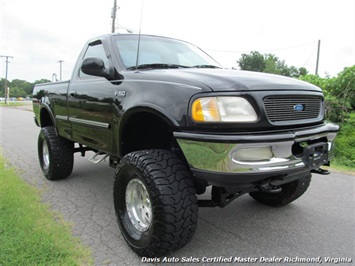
(160, 51)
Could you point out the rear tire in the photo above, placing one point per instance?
(155, 202)
(290, 192)
(55, 154)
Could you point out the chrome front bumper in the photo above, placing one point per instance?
(258, 153)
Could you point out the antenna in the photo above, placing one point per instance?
(139, 36)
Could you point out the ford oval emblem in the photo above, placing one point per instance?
(298, 107)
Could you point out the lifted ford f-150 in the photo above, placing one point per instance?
(173, 122)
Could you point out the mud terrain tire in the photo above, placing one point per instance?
(155, 202)
(55, 154)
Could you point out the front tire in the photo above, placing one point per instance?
(55, 154)
(290, 192)
(155, 202)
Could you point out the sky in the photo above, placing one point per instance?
(38, 34)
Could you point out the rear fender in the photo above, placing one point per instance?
(46, 117)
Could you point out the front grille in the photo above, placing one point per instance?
(293, 109)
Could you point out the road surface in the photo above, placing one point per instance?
(319, 225)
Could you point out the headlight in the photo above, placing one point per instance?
(223, 109)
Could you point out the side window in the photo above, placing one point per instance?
(95, 49)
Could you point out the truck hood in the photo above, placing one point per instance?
(226, 80)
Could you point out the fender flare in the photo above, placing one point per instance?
(144, 108)
(45, 106)
(149, 108)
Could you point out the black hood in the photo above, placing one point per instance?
(225, 80)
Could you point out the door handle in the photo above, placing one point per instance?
(73, 93)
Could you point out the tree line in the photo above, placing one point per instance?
(269, 63)
(19, 88)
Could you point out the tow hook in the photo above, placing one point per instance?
(268, 188)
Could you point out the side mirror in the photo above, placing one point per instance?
(95, 67)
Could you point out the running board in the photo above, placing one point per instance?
(98, 157)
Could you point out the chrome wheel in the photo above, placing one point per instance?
(45, 155)
(138, 205)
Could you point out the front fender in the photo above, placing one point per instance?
(149, 108)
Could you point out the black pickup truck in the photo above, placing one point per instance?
(173, 122)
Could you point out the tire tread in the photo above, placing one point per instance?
(173, 198)
(61, 154)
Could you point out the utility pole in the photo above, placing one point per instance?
(113, 15)
(318, 57)
(60, 71)
(6, 88)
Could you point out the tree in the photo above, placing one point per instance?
(293, 71)
(339, 93)
(269, 63)
(41, 81)
(284, 69)
(19, 88)
(252, 62)
(17, 92)
(2, 87)
(303, 71)
(344, 86)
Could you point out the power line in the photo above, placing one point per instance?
(291, 47)
(263, 51)
(6, 88)
(310, 57)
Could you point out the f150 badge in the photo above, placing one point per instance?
(120, 94)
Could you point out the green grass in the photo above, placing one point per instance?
(30, 234)
(345, 146)
(13, 103)
(340, 167)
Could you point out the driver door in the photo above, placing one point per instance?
(90, 108)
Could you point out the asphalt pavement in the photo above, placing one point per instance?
(318, 227)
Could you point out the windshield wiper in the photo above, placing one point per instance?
(156, 66)
(206, 66)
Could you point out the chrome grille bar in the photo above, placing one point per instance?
(293, 109)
